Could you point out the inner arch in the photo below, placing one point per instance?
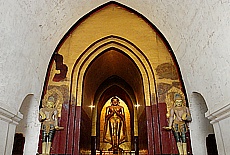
(119, 44)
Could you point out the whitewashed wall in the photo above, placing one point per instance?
(29, 126)
(197, 31)
(200, 126)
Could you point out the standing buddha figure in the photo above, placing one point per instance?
(115, 127)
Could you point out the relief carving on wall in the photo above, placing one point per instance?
(167, 71)
(163, 88)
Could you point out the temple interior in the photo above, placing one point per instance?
(107, 77)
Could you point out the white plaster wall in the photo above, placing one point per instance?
(224, 127)
(8, 122)
(29, 126)
(200, 126)
(7, 137)
(10, 138)
(219, 138)
(3, 135)
(197, 31)
(221, 123)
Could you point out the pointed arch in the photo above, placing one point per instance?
(100, 46)
(102, 31)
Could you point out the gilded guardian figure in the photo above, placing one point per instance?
(179, 116)
(49, 119)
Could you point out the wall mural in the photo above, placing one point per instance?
(167, 71)
(61, 67)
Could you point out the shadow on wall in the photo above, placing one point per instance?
(19, 141)
(211, 145)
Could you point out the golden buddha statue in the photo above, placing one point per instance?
(115, 127)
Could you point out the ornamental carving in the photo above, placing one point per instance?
(167, 71)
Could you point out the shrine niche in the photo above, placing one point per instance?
(113, 51)
(115, 128)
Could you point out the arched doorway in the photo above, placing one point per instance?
(113, 51)
(202, 126)
(28, 128)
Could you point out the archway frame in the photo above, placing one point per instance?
(128, 48)
(135, 54)
(99, 47)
